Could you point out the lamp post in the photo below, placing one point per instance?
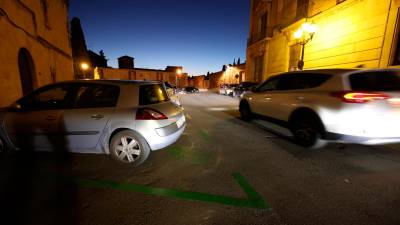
(304, 35)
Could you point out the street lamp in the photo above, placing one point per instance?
(304, 35)
(84, 67)
(178, 73)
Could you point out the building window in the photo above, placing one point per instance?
(302, 8)
(45, 8)
(263, 23)
(396, 44)
(258, 68)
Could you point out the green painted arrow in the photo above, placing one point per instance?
(254, 200)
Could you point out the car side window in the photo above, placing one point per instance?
(269, 85)
(96, 96)
(297, 81)
(51, 98)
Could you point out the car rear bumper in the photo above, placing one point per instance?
(349, 139)
(165, 137)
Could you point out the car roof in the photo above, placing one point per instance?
(340, 71)
(328, 71)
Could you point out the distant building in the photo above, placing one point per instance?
(350, 33)
(126, 62)
(34, 46)
(231, 74)
(172, 74)
(82, 62)
(97, 60)
(199, 82)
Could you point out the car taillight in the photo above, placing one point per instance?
(360, 97)
(149, 114)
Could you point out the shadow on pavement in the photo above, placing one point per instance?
(38, 188)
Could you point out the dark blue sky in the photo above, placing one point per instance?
(199, 35)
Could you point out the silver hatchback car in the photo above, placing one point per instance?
(126, 119)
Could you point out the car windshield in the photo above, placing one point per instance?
(375, 81)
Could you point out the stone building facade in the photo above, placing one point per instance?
(232, 74)
(34, 46)
(127, 71)
(172, 77)
(350, 33)
(199, 82)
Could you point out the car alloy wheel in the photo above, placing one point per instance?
(127, 149)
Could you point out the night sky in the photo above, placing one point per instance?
(200, 35)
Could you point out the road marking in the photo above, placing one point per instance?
(190, 155)
(204, 135)
(254, 200)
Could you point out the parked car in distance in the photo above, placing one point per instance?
(191, 90)
(331, 105)
(222, 89)
(126, 119)
(243, 87)
(230, 89)
(172, 93)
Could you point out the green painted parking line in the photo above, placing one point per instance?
(204, 135)
(190, 155)
(253, 200)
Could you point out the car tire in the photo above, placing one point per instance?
(245, 111)
(2, 146)
(129, 147)
(307, 131)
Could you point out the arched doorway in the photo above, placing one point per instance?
(26, 70)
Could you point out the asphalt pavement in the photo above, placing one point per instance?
(225, 171)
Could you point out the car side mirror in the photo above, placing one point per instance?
(253, 89)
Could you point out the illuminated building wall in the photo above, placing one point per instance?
(350, 33)
(180, 80)
(34, 46)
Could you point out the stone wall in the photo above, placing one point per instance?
(24, 25)
(141, 74)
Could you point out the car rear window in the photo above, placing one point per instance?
(375, 81)
(152, 94)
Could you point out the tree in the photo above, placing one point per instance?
(238, 62)
(224, 68)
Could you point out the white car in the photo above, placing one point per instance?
(331, 105)
(126, 119)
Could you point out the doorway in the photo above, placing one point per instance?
(26, 70)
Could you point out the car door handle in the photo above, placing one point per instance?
(97, 117)
(300, 98)
(50, 118)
